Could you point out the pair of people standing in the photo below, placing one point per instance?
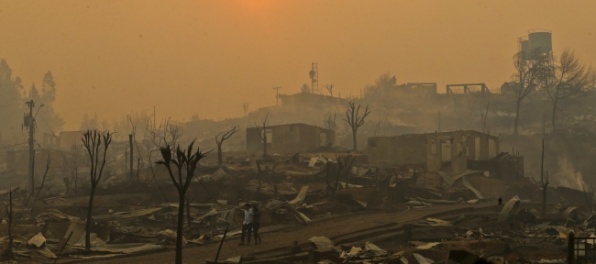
(251, 224)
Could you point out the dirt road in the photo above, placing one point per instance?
(328, 228)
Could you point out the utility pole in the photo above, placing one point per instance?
(277, 94)
(30, 124)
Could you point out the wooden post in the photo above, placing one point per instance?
(571, 248)
(221, 243)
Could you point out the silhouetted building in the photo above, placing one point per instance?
(442, 151)
(290, 138)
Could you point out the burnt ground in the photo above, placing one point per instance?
(392, 211)
(329, 228)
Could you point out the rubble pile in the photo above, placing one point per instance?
(498, 234)
(296, 190)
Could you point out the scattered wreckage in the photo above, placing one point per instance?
(296, 190)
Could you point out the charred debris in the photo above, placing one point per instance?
(493, 210)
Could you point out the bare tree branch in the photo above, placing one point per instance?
(219, 140)
(531, 70)
(355, 120)
(263, 134)
(570, 80)
(93, 140)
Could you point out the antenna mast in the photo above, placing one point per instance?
(277, 94)
(314, 78)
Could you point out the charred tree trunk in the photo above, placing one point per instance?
(76, 177)
(186, 163)
(264, 143)
(89, 218)
(544, 196)
(97, 145)
(180, 227)
(259, 174)
(219, 155)
(554, 117)
(355, 120)
(188, 216)
(263, 135)
(10, 223)
(43, 180)
(543, 182)
(131, 158)
(516, 122)
(8, 255)
(220, 140)
(355, 139)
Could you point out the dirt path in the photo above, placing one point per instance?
(328, 228)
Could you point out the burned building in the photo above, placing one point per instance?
(289, 138)
(442, 151)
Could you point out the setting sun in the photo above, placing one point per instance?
(256, 5)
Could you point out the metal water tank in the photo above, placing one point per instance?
(525, 48)
(540, 41)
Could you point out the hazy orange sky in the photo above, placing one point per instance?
(209, 57)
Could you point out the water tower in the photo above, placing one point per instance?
(524, 44)
(540, 41)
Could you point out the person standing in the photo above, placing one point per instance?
(256, 223)
(246, 224)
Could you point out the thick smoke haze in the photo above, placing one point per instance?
(111, 58)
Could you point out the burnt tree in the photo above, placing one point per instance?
(543, 181)
(340, 169)
(219, 140)
(263, 134)
(97, 144)
(531, 71)
(185, 163)
(570, 81)
(43, 180)
(355, 120)
(8, 254)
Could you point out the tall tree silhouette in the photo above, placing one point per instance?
(219, 140)
(355, 120)
(181, 165)
(97, 144)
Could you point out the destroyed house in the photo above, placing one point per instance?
(288, 139)
(441, 151)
